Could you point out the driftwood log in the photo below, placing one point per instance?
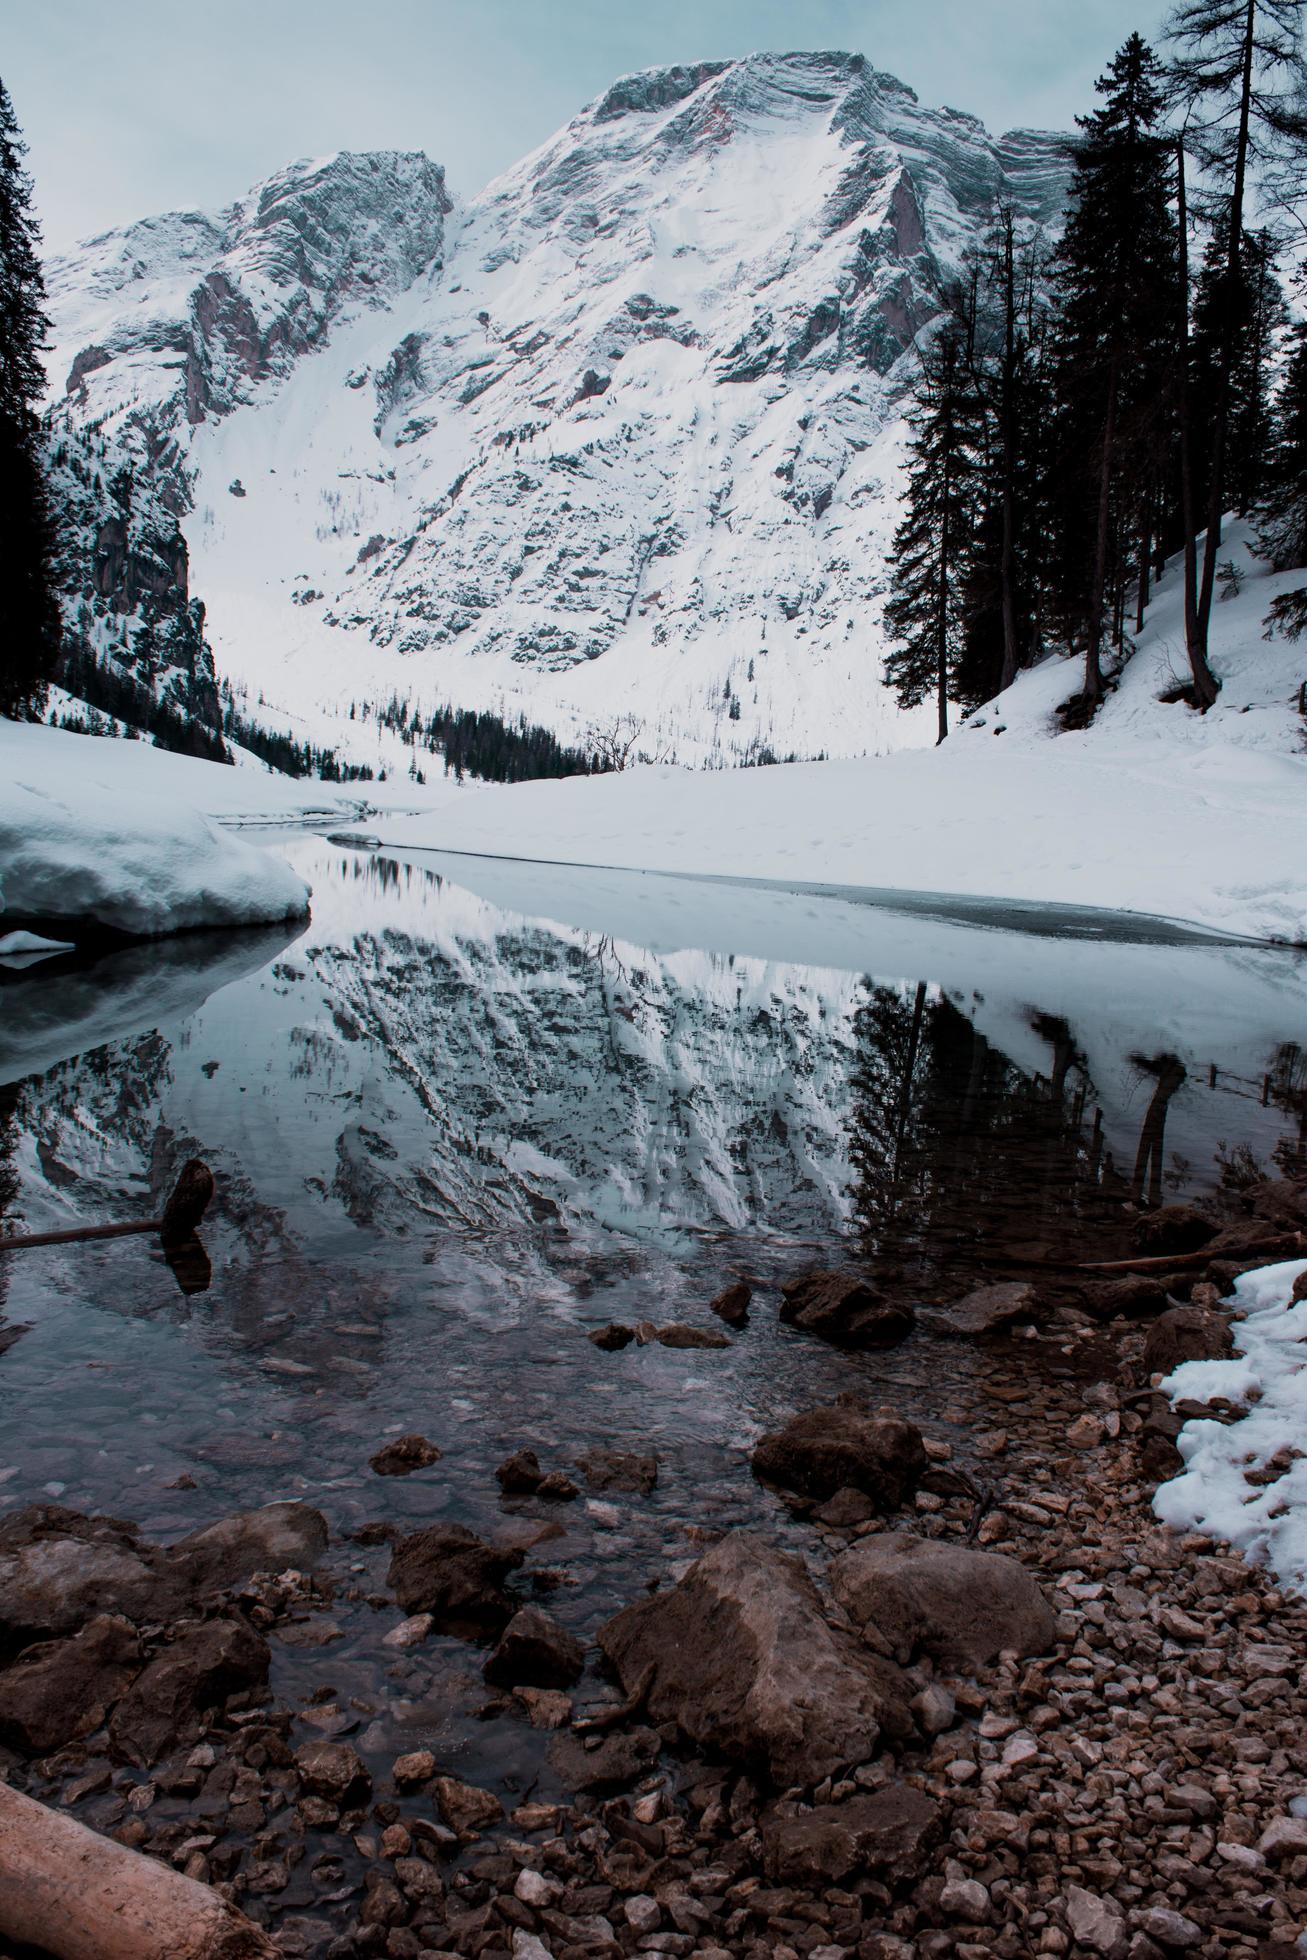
(80, 1896)
(181, 1215)
(1265, 1254)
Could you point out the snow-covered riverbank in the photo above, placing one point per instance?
(103, 835)
(109, 835)
(1215, 836)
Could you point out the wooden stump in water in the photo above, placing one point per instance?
(188, 1203)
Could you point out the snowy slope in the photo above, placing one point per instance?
(619, 439)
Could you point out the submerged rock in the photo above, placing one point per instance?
(846, 1309)
(58, 1568)
(679, 1335)
(962, 1607)
(990, 1310)
(745, 1663)
(620, 1470)
(844, 1447)
(732, 1304)
(270, 1539)
(404, 1455)
(449, 1572)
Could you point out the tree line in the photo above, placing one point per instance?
(1084, 412)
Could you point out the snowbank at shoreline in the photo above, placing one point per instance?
(1267, 1523)
(1215, 836)
(111, 835)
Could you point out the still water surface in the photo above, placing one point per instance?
(473, 1111)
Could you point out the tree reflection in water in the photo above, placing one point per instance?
(959, 1156)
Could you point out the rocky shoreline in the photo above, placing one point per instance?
(995, 1709)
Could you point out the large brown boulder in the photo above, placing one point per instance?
(1133, 1297)
(534, 1651)
(1186, 1334)
(449, 1572)
(274, 1538)
(58, 1569)
(844, 1447)
(1283, 1200)
(745, 1664)
(1173, 1228)
(63, 1689)
(165, 1706)
(924, 1595)
(846, 1309)
(887, 1835)
(990, 1310)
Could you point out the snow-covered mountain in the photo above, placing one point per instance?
(618, 438)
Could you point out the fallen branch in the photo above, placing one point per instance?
(182, 1213)
(80, 1896)
(1189, 1262)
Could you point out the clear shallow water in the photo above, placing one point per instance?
(458, 1124)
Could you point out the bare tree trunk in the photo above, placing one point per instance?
(1195, 630)
(941, 624)
(1221, 419)
(1098, 591)
(1008, 575)
(1145, 555)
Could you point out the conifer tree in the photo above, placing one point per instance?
(1282, 515)
(1001, 318)
(1115, 272)
(925, 613)
(29, 607)
(1239, 89)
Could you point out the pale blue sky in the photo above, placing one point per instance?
(153, 105)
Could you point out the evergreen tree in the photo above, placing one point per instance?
(1282, 515)
(925, 613)
(1241, 322)
(1115, 278)
(1238, 87)
(1001, 317)
(29, 607)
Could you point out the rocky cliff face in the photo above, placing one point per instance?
(176, 320)
(620, 440)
